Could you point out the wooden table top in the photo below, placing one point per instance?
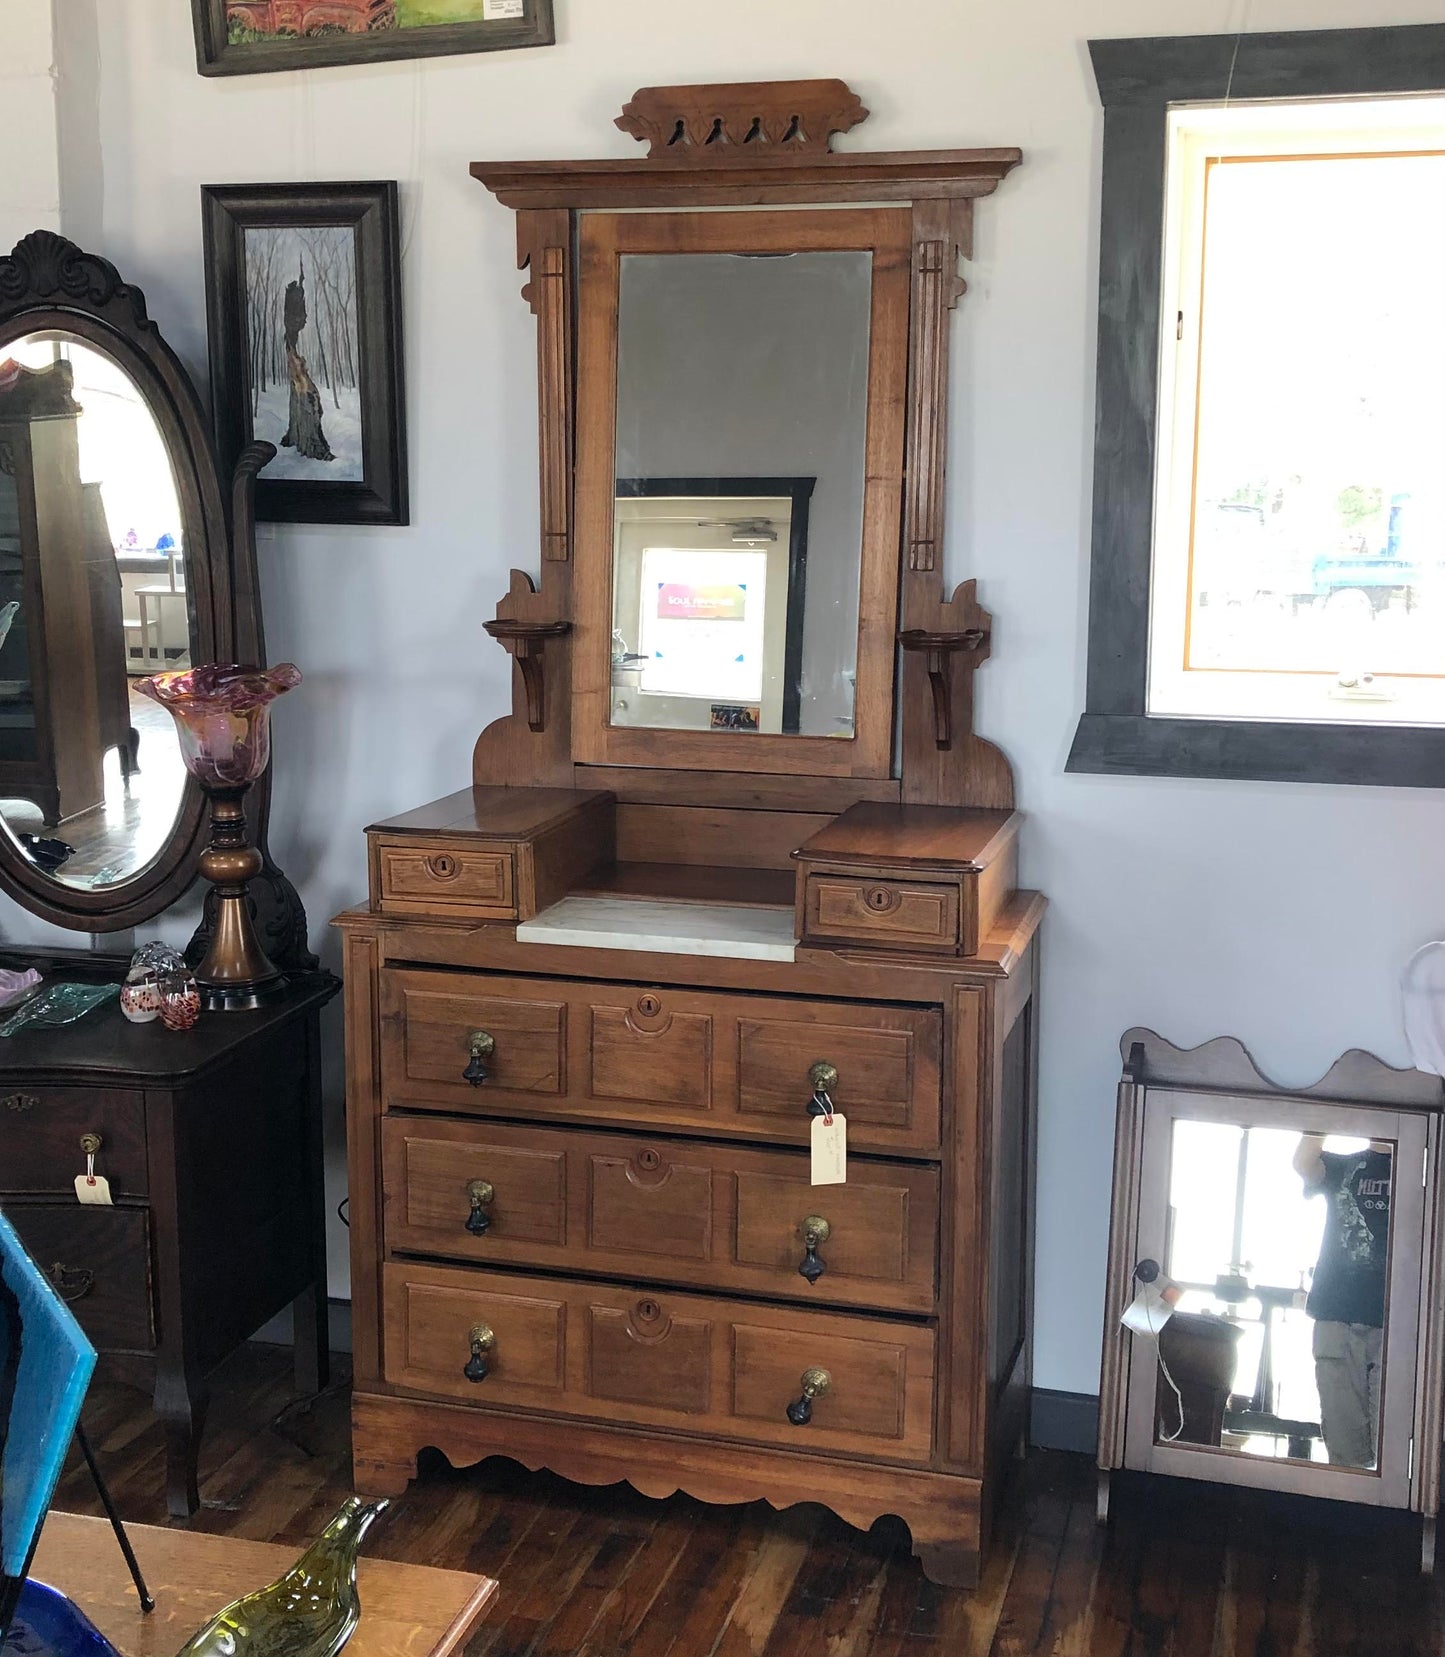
(406, 1610)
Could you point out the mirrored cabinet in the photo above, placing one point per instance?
(691, 1046)
(1276, 1265)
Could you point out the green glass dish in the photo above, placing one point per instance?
(312, 1611)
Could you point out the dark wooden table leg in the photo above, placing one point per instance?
(310, 1324)
(312, 1340)
(181, 1401)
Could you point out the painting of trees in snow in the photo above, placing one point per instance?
(303, 352)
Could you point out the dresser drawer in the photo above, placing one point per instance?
(712, 1366)
(99, 1260)
(708, 1062)
(41, 1129)
(445, 879)
(905, 914)
(701, 1213)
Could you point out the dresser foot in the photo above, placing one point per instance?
(949, 1564)
(181, 1405)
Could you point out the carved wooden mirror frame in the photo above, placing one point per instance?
(760, 146)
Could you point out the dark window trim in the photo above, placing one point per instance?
(1138, 80)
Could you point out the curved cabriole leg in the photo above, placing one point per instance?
(181, 1402)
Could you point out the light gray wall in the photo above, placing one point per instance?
(1278, 913)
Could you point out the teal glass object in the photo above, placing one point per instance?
(60, 1004)
(45, 1367)
(312, 1611)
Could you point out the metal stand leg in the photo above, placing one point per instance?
(147, 1603)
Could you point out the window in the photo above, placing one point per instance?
(1268, 585)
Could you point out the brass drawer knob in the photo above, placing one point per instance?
(90, 1143)
(481, 1340)
(481, 1046)
(822, 1078)
(815, 1384)
(71, 1282)
(816, 1231)
(481, 1193)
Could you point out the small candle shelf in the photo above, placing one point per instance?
(527, 642)
(938, 650)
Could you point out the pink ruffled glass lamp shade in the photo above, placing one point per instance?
(222, 714)
(223, 718)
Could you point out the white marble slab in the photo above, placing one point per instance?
(664, 928)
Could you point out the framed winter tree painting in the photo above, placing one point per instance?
(243, 37)
(303, 311)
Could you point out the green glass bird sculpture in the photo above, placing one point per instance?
(312, 1611)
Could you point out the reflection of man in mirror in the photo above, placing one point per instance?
(1347, 1297)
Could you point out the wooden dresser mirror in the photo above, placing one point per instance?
(734, 871)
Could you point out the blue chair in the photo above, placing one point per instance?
(45, 1367)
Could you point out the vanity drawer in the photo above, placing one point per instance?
(907, 914)
(709, 1062)
(712, 1366)
(40, 1134)
(445, 879)
(99, 1260)
(703, 1213)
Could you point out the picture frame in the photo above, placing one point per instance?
(315, 369)
(248, 37)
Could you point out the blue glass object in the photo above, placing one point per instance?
(45, 1367)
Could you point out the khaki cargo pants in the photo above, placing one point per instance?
(1347, 1373)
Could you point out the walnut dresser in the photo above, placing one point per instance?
(712, 890)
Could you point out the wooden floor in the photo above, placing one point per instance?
(1184, 1571)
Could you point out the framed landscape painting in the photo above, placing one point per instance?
(242, 37)
(303, 314)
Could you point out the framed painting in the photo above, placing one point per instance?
(303, 314)
(247, 37)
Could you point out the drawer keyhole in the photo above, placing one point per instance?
(442, 866)
(880, 900)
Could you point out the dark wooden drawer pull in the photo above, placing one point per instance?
(822, 1078)
(482, 1341)
(481, 1046)
(815, 1383)
(480, 1194)
(71, 1282)
(20, 1101)
(816, 1231)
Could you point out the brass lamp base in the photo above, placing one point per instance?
(236, 972)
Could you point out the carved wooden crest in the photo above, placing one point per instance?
(44, 268)
(705, 124)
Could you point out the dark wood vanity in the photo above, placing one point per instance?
(708, 887)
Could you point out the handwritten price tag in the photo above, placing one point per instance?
(830, 1150)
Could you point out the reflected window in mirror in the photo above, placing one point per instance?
(1280, 1240)
(93, 596)
(742, 415)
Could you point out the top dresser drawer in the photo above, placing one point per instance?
(41, 1129)
(708, 1061)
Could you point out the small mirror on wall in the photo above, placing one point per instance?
(1276, 1256)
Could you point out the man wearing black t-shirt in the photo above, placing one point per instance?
(1347, 1297)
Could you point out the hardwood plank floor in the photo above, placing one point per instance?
(1182, 1571)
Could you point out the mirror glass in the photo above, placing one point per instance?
(742, 409)
(93, 596)
(1280, 1241)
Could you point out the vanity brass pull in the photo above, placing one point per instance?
(822, 1078)
(90, 1143)
(20, 1101)
(482, 1046)
(480, 1193)
(815, 1383)
(816, 1231)
(482, 1340)
(71, 1282)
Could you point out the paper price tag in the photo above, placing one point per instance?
(94, 1188)
(494, 10)
(830, 1150)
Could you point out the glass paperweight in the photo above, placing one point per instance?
(180, 1001)
(150, 967)
(312, 1611)
(222, 716)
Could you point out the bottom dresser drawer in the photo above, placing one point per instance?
(720, 1367)
(99, 1261)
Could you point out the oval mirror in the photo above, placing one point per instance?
(112, 548)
